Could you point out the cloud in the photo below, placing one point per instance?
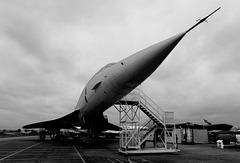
(50, 49)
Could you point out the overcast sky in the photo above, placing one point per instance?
(50, 49)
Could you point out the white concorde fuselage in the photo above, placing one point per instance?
(115, 80)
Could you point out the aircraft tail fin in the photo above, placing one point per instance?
(207, 122)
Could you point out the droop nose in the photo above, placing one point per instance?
(143, 63)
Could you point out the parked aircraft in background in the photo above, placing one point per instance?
(110, 84)
(217, 127)
(223, 132)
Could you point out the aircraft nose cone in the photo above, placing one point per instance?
(158, 52)
(143, 63)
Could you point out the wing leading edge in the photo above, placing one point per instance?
(67, 121)
(70, 121)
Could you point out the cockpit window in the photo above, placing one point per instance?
(106, 66)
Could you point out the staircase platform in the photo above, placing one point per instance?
(148, 151)
(127, 102)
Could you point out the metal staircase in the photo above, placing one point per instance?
(135, 133)
(151, 115)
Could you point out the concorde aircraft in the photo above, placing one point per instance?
(113, 82)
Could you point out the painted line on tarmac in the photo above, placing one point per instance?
(111, 161)
(144, 160)
(118, 160)
(20, 151)
(79, 154)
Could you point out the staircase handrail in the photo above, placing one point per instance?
(141, 97)
(145, 135)
(146, 124)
